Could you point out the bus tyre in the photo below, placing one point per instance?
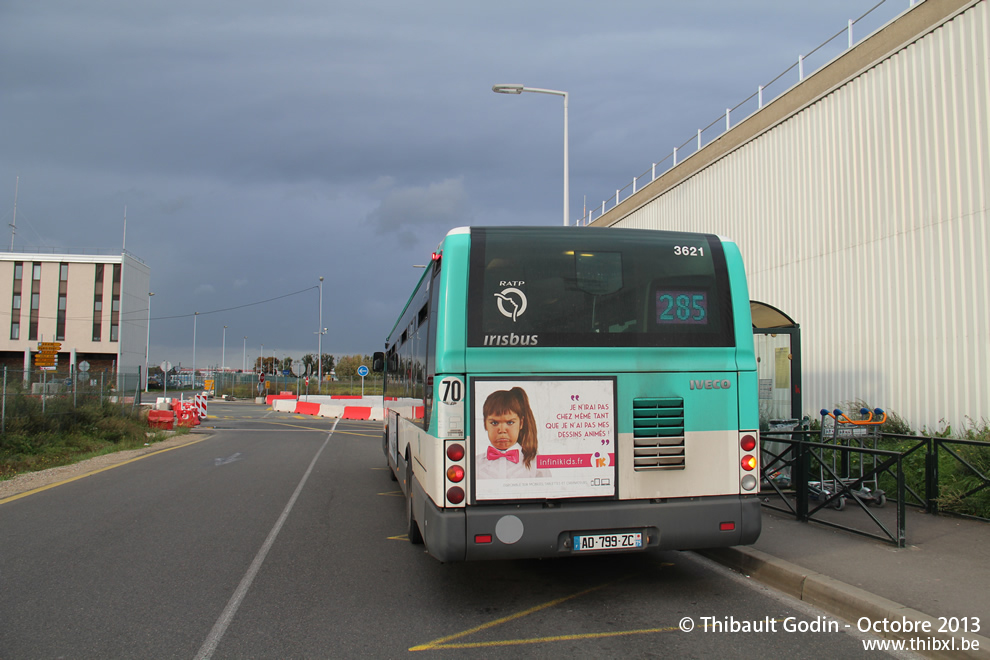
(412, 529)
(391, 472)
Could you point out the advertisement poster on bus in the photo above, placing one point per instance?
(544, 439)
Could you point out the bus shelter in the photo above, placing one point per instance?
(777, 340)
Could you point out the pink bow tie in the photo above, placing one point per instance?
(512, 454)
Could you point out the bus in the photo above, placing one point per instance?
(557, 391)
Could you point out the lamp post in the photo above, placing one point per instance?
(147, 345)
(519, 89)
(319, 342)
(223, 354)
(244, 358)
(195, 317)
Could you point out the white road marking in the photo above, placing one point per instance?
(220, 627)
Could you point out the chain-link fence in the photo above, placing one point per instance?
(55, 393)
(250, 385)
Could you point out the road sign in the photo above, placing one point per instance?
(83, 366)
(166, 366)
(47, 356)
(261, 378)
(362, 371)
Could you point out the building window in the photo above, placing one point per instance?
(15, 304)
(35, 314)
(98, 304)
(60, 319)
(63, 272)
(115, 304)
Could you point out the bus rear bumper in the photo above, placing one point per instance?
(516, 531)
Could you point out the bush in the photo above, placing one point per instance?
(58, 433)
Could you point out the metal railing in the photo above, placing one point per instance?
(806, 64)
(810, 480)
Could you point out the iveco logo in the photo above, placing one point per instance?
(710, 384)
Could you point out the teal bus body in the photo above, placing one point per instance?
(641, 383)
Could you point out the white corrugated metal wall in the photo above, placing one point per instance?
(864, 217)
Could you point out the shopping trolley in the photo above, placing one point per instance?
(845, 479)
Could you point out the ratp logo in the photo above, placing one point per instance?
(511, 303)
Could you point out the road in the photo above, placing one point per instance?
(276, 536)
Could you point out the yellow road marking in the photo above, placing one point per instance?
(400, 537)
(444, 641)
(544, 640)
(449, 643)
(88, 474)
(393, 493)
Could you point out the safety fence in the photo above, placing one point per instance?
(246, 385)
(52, 393)
(866, 489)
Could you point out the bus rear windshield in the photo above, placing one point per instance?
(594, 287)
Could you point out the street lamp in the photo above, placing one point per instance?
(519, 89)
(319, 342)
(195, 317)
(223, 354)
(244, 358)
(147, 345)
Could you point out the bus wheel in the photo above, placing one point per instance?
(391, 472)
(412, 528)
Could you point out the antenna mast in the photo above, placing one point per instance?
(13, 225)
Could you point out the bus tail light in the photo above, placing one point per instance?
(482, 538)
(727, 526)
(749, 462)
(455, 472)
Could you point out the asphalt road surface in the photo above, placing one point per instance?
(272, 535)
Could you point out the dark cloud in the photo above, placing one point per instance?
(257, 146)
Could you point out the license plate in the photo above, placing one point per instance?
(615, 541)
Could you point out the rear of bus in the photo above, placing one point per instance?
(633, 350)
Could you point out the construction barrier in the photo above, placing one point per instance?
(161, 419)
(186, 413)
(307, 408)
(201, 405)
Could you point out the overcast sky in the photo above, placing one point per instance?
(257, 146)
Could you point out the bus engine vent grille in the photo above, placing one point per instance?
(658, 434)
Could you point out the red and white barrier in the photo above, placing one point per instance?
(335, 407)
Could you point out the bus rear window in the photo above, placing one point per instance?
(597, 287)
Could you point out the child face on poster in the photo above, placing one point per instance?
(503, 429)
(509, 421)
